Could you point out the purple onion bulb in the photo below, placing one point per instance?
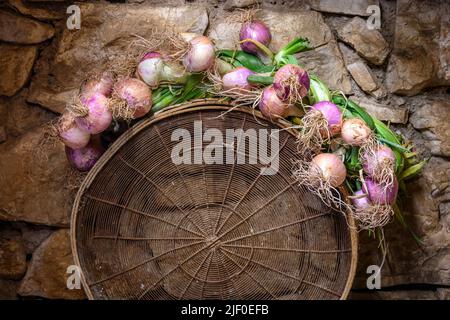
(85, 158)
(257, 31)
(137, 95)
(200, 56)
(381, 194)
(102, 85)
(99, 116)
(291, 80)
(150, 67)
(72, 135)
(360, 200)
(374, 161)
(272, 107)
(332, 114)
(237, 79)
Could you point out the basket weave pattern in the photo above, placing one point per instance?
(145, 228)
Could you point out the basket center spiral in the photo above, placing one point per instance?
(217, 223)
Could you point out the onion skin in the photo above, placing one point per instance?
(355, 132)
(174, 73)
(150, 67)
(85, 158)
(99, 116)
(200, 56)
(272, 107)
(371, 162)
(332, 114)
(298, 75)
(70, 134)
(255, 30)
(360, 200)
(223, 67)
(102, 85)
(381, 194)
(237, 79)
(332, 167)
(137, 95)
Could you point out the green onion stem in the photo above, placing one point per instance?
(392, 144)
(260, 46)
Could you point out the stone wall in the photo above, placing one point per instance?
(400, 73)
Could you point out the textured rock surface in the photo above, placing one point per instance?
(233, 4)
(432, 117)
(12, 255)
(47, 275)
(16, 63)
(408, 262)
(8, 290)
(392, 113)
(363, 76)
(361, 72)
(17, 29)
(326, 61)
(31, 168)
(421, 53)
(49, 13)
(33, 235)
(370, 44)
(3, 135)
(23, 117)
(350, 7)
(102, 36)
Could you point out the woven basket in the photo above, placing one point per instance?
(145, 228)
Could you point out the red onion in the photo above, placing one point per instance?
(272, 107)
(150, 67)
(332, 168)
(332, 114)
(84, 159)
(355, 132)
(102, 85)
(237, 79)
(200, 55)
(291, 81)
(360, 200)
(99, 116)
(136, 94)
(255, 30)
(374, 162)
(69, 132)
(379, 193)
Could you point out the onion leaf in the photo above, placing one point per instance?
(265, 80)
